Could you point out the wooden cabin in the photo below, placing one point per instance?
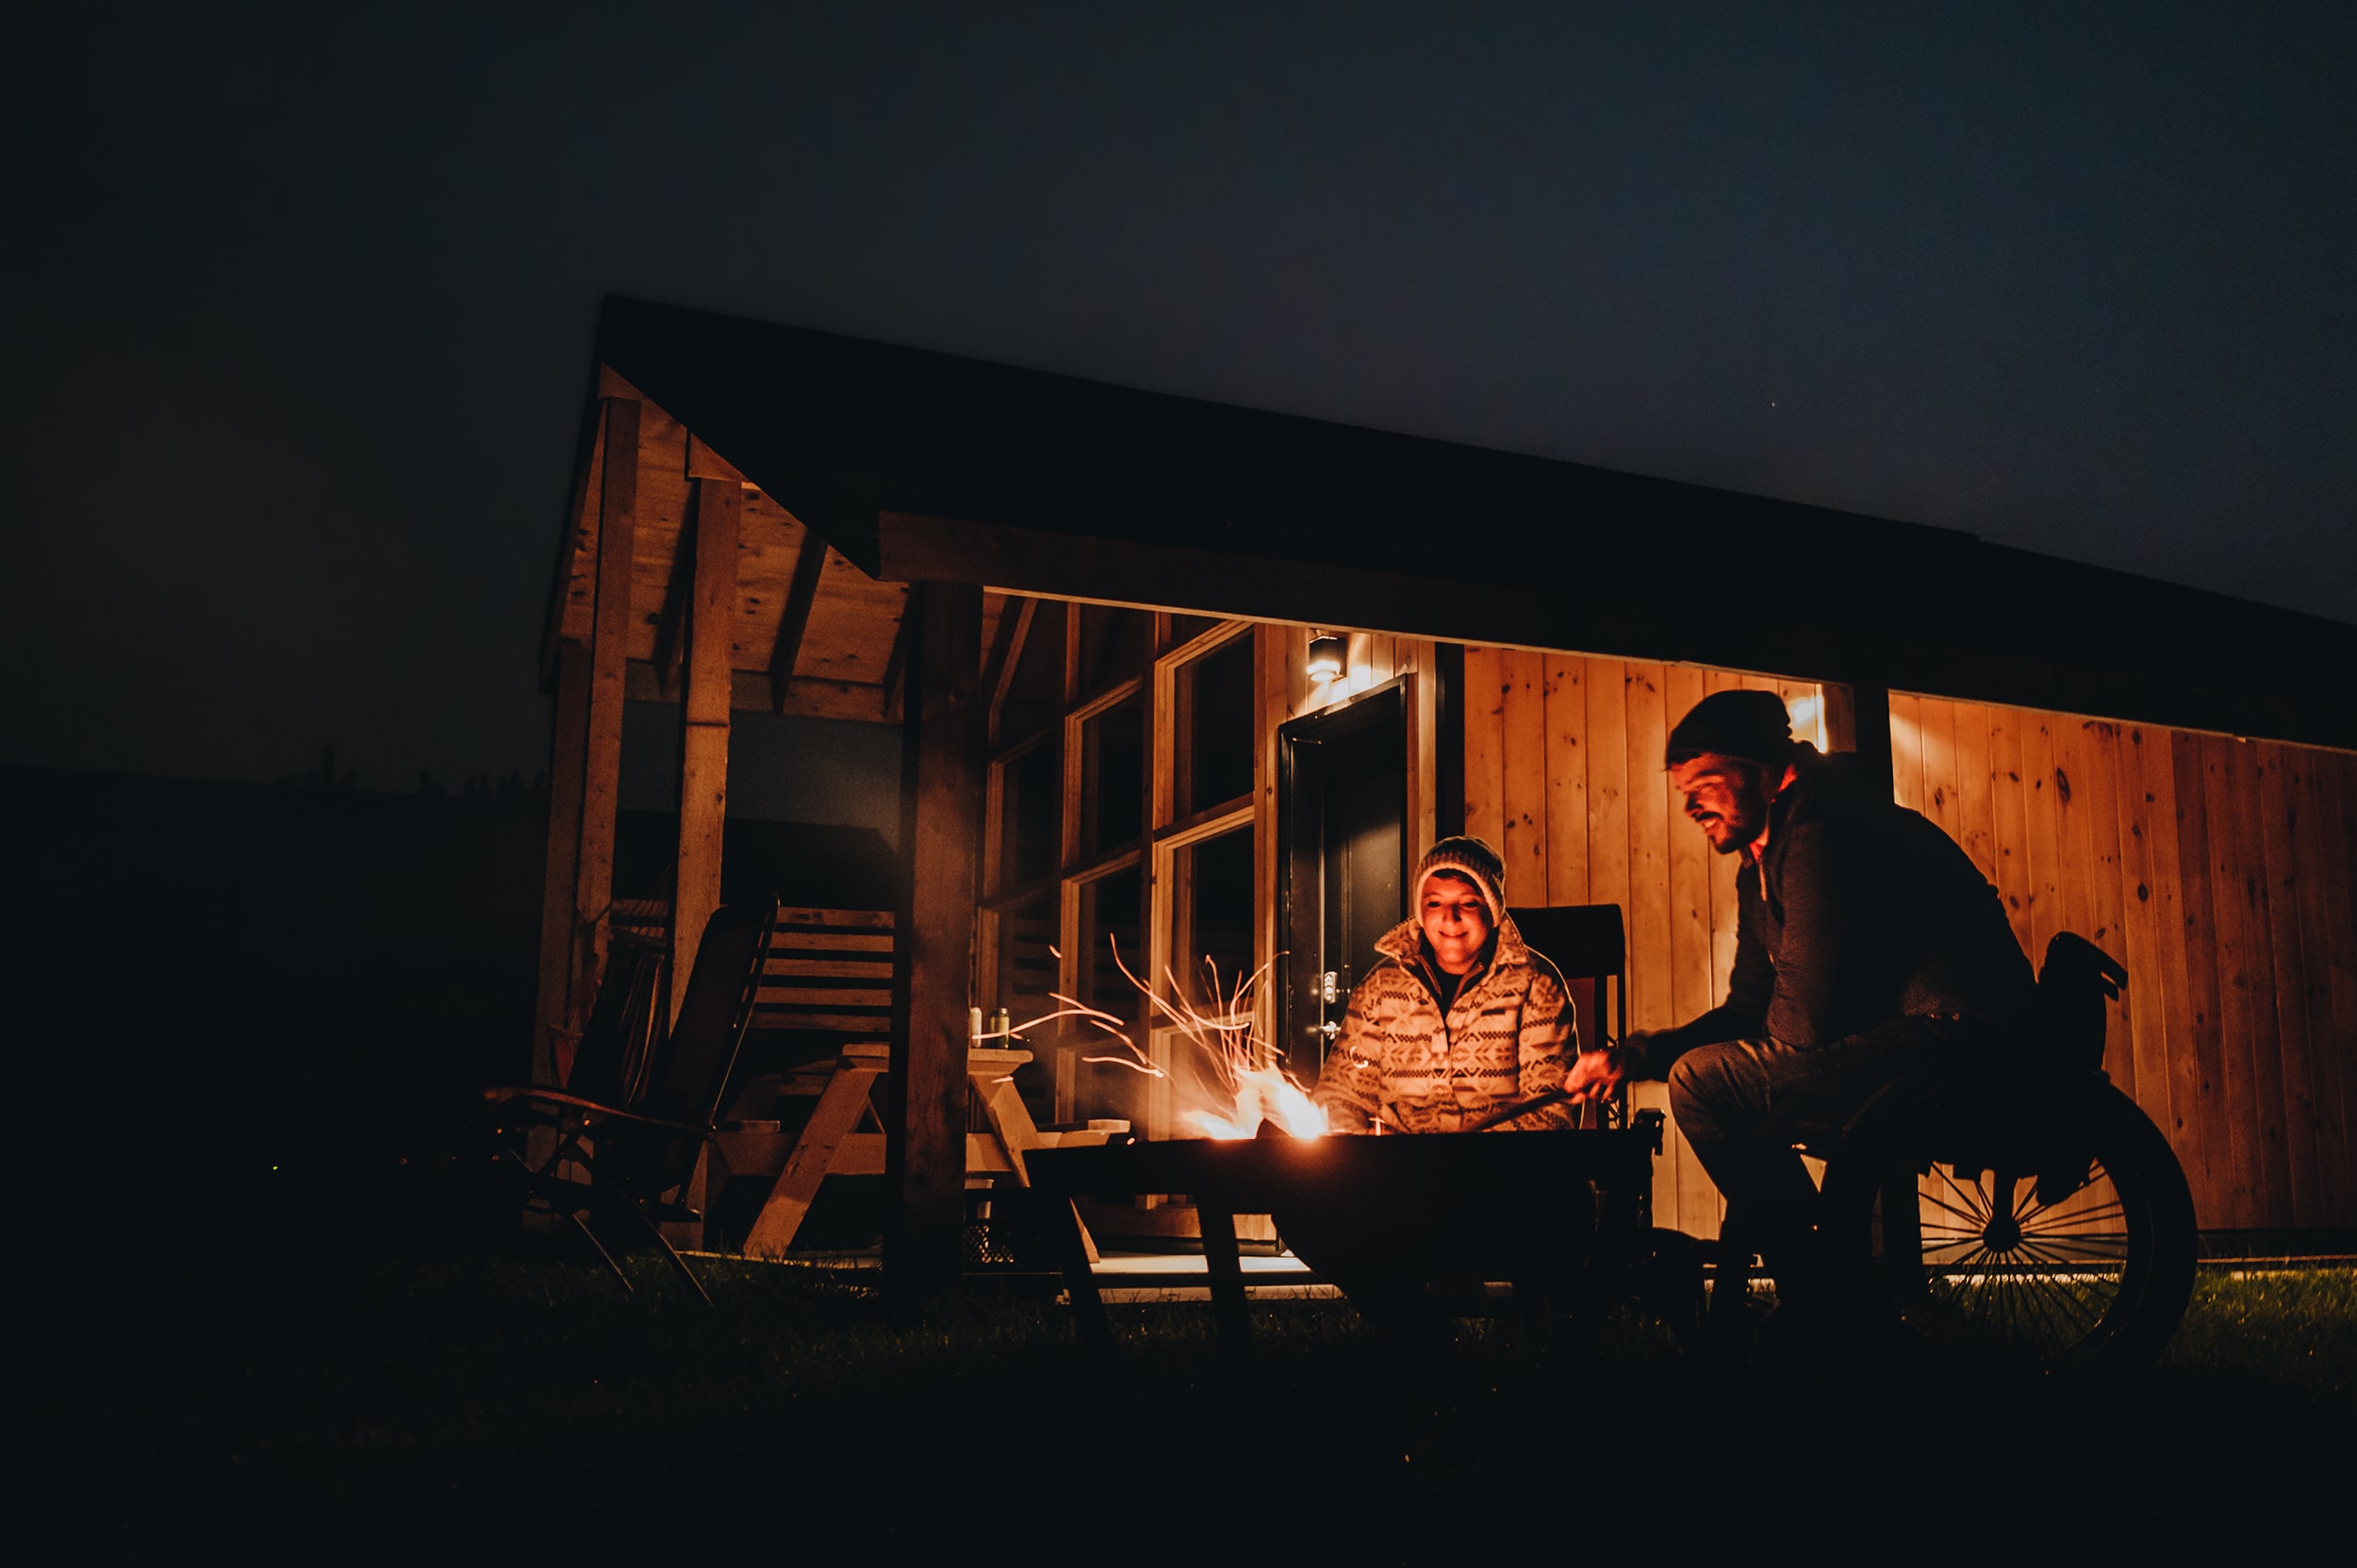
(1091, 609)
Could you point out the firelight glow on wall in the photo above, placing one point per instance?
(1327, 653)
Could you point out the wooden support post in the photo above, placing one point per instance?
(703, 753)
(1006, 655)
(1223, 1268)
(794, 616)
(1448, 738)
(609, 649)
(941, 796)
(568, 758)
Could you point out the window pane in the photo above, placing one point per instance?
(1026, 975)
(1030, 793)
(1112, 645)
(1112, 777)
(1212, 918)
(1212, 722)
(1210, 905)
(1112, 909)
(1035, 696)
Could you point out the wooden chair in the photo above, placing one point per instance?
(609, 1061)
(1587, 945)
(639, 1160)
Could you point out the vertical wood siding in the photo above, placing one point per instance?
(2218, 871)
(1563, 774)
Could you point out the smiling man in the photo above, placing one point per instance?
(1460, 1018)
(1866, 942)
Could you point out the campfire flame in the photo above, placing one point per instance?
(1227, 1038)
(1263, 1093)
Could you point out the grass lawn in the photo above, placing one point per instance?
(191, 1391)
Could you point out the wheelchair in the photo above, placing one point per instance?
(2017, 1211)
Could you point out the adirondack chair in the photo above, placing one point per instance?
(635, 1159)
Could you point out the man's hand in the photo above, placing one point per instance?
(1596, 1074)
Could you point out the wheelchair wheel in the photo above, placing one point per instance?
(2054, 1236)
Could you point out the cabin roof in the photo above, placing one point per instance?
(911, 464)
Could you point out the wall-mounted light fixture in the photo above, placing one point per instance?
(1327, 653)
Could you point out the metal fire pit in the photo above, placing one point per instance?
(1437, 1205)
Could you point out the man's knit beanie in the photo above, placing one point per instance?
(1751, 726)
(1469, 858)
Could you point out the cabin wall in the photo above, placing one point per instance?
(1563, 774)
(2219, 870)
(2219, 873)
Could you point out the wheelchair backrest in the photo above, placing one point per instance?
(2074, 986)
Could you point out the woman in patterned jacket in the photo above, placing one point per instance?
(1460, 1020)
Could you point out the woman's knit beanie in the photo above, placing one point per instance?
(1469, 858)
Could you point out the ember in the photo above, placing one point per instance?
(1255, 1089)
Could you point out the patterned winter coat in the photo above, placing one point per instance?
(1507, 1038)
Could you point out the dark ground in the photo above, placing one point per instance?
(383, 1386)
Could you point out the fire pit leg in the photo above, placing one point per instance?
(1226, 1271)
(1088, 1307)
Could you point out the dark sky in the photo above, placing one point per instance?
(299, 310)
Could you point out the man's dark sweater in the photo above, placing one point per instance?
(1858, 912)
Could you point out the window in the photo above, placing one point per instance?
(1122, 823)
(1112, 777)
(1025, 948)
(1211, 901)
(1211, 728)
(1111, 935)
(1030, 800)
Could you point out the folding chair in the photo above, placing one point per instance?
(613, 1158)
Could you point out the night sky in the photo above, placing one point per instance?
(298, 321)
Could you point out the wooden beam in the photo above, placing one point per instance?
(1613, 617)
(609, 639)
(942, 737)
(1448, 738)
(703, 760)
(568, 749)
(806, 695)
(670, 623)
(895, 661)
(794, 620)
(1015, 629)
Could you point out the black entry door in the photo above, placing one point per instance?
(1342, 822)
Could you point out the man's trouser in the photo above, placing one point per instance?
(1743, 1104)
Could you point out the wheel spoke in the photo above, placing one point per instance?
(1973, 1222)
(2067, 1297)
(2041, 1206)
(2083, 1313)
(2083, 1218)
(1978, 1210)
